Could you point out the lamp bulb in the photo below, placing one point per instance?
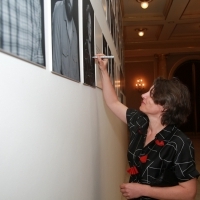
(141, 33)
(144, 5)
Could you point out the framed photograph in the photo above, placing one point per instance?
(65, 40)
(22, 30)
(112, 23)
(112, 72)
(117, 5)
(88, 43)
(122, 82)
(109, 62)
(105, 50)
(117, 80)
(98, 49)
(108, 12)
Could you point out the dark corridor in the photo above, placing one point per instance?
(189, 73)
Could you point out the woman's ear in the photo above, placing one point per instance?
(162, 109)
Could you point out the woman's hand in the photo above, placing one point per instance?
(131, 190)
(102, 63)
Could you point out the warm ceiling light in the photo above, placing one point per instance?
(144, 3)
(141, 31)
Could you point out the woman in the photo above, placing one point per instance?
(160, 156)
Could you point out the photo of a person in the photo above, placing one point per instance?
(109, 62)
(65, 43)
(22, 30)
(88, 48)
(108, 12)
(104, 46)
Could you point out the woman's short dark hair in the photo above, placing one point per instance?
(175, 99)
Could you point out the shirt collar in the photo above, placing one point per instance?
(166, 133)
(65, 16)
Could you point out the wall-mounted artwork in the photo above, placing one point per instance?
(115, 78)
(108, 6)
(112, 21)
(112, 72)
(109, 62)
(98, 49)
(22, 29)
(117, 5)
(65, 40)
(122, 82)
(117, 81)
(105, 49)
(88, 43)
(104, 46)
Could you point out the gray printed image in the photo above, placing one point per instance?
(88, 43)
(22, 29)
(65, 42)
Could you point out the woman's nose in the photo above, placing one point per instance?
(144, 95)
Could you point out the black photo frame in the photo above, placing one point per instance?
(88, 44)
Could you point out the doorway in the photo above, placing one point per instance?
(189, 74)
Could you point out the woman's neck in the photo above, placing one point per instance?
(153, 129)
(155, 125)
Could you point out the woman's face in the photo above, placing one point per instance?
(149, 107)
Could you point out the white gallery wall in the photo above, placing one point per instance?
(58, 140)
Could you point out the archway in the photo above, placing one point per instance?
(189, 72)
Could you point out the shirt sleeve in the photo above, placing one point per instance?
(136, 121)
(184, 163)
(131, 117)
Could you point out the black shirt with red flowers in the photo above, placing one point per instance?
(165, 161)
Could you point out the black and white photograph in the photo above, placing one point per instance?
(117, 81)
(113, 71)
(104, 45)
(65, 40)
(105, 49)
(108, 3)
(112, 22)
(117, 5)
(22, 30)
(109, 62)
(98, 49)
(122, 81)
(88, 44)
